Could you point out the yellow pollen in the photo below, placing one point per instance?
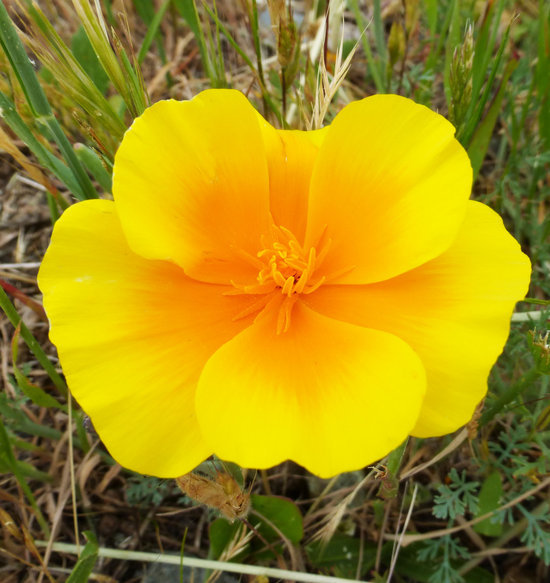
(284, 267)
(287, 265)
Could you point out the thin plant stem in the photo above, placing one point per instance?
(246, 59)
(31, 342)
(412, 538)
(11, 462)
(253, 15)
(511, 533)
(509, 395)
(193, 562)
(71, 463)
(528, 316)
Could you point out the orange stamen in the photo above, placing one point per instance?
(283, 264)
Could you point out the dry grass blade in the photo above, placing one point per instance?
(9, 525)
(7, 144)
(88, 103)
(255, 570)
(62, 498)
(456, 442)
(291, 550)
(125, 78)
(333, 519)
(395, 550)
(35, 306)
(72, 468)
(236, 545)
(11, 530)
(328, 85)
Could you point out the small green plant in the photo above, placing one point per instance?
(456, 496)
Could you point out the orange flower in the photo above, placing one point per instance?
(264, 294)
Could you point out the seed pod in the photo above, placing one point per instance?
(460, 78)
(540, 349)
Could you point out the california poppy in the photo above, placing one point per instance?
(267, 295)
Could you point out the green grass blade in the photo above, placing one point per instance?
(44, 156)
(213, 44)
(430, 7)
(542, 72)
(21, 65)
(188, 10)
(115, 62)
(33, 392)
(218, 50)
(453, 40)
(478, 104)
(83, 568)
(146, 11)
(102, 48)
(33, 344)
(83, 52)
(372, 66)
(8, 462)
(245, 58)
(509, 395)
(152, 31)
(36, 99)
(484, 61)
(255, 27)
(133, 79)
(66, 148)
(380, 41)
(52, 206)
(95, 166)
(479, 145)
(85, 87)
(25, 425)
(485, 45)
(437, 48)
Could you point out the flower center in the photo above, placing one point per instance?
(284, 267)
(287, 266)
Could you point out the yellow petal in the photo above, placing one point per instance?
(291, 155)
(191, 184)
(132, 336)
(453, 311)
(326, 394)
(391, 184)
